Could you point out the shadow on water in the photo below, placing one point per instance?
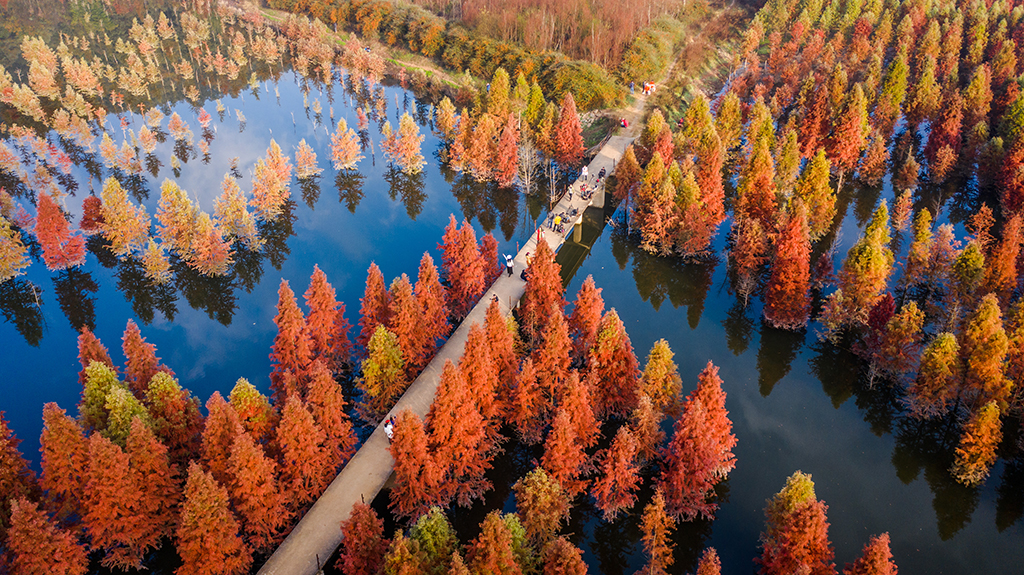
(144, 296)
(350, 188)
(779, 347)
(19, 304)
(739, 327)
(73, 289)
(409, 187)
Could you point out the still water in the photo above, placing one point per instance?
(795, 403)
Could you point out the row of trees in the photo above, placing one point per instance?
(824, 107)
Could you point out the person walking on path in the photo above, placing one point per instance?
(583, 173)
(508, 264)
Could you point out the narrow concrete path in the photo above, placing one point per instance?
(318, 533)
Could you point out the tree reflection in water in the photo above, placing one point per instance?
(1010, 500)
(775, 355)
(739, 327)
(213, 294)
(407, 186)
(144, 296)
(19, 303)
(275, 234)
(72, 288)
(350, 188)
(310, 188)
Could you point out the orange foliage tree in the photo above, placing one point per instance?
(432, 299)
(619, 476)
(291, 348)
(586, 317)
(657, 528)
(543, 298)
(38, 547)
(326, 325)
(141, 362)
(16, 479)
(458, 440)
(795, 539)
(978, 442)
(543, 505)
(376, 305)
(255, 413)
(876, 559)
(787, 300)
(364, 547)
(326, 401)
(270, 183)
(416, 476)
(61, 248)
(111, 504)
(303, 458)
(501, 340)
(64, 461)
(90, 349)
(406, 322)
(568, 133)
(208, 540)
(219, 432)
(491, 552)
(477, 367)
(529, 405)
(175, 416)
(563, 454)
(255, 493)
(156, 480)
(464, 266)
(615, 368)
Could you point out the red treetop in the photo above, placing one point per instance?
(489, 253)
(615, 488)
(687, 476)
(709, 563)
(61, 249)
(303, 457)
(477, 367)
(90, 349)
(709, 391)
(543, 298)
(111, 504)
(586, 317)
(208, 539)
(657, 528)
(795, 539)
(326, 401)
(563, 558)
(568, 133)
(563, 454)
(141, 362)
(364, 547)
(222, 426)
(65, 456)
(432, 296)
(575, 399)
(875, 560)
(553, 355)
(157, 482)
(291, 349)
(464, 266)
(491, 552)
(92, 215)
(16, 478)
(376, 308)
(38, 547)
(416, 476)
(501, 338)
(406, 322)
(255, 493)
(326, 325)
(530, 406)
(458, 439)
(175, 416)
(787, 299)
(615, 368)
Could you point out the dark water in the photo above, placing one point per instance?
(795, 403)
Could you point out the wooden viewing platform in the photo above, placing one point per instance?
(318, 534)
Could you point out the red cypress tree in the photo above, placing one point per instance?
(363, 543)
(255, 493)
(92, 215)
(553, 356)
(657, 528)
(110, 506)
(1001, 275)
(660, 380)
(978, 442)
(619, 476)
(38, 547)
(575, 399)
(406, 322)
(16, 479)
(463, 265)
(627, 174)
(645, 423)
(563, 558)
(326, 401)
(157, 482)
(787, 299)
(687, 476)
(709, 178)
(141, 362)
(568, 133)
(850, 134)
(983, 348)
(491, 552)
(175, 416)
(489, 254)
(208, 540)
(291, 349)
(376, 306)
(458, 439)
(709, 391)
(64, 461)
(756, 190)
(501, 339)
(586, 317)
(709, 563)
(529, 406)
(795, 539)
(416, 475)
(663, 145)
(61, 248)
(477, 367)
(222, 426)
(563, 454)
(326, 325)
(91, 349)
(944, 141)
(615, 368)
(876, 559)
(482, 148)
(432, 299)
(508, 154)
(303, 457)
(543, 298)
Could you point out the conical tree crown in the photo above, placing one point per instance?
(208, 540)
